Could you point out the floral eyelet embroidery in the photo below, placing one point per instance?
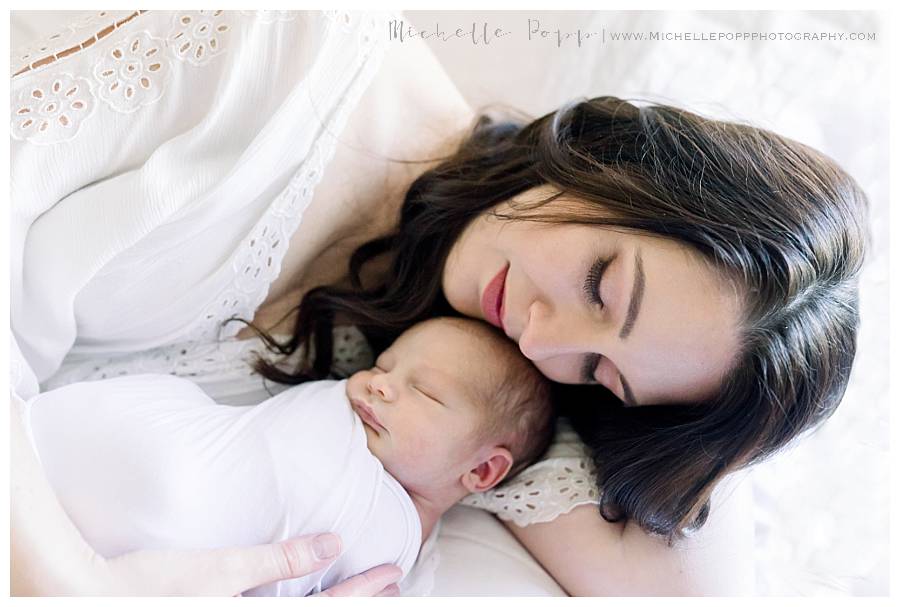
(52, 113)
(132, 73)
(199, 36)
(61, 43)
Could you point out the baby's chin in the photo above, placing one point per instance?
(371, 440)
(376, 448)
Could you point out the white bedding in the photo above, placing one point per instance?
(829, 94)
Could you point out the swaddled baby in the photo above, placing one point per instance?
(150, 461)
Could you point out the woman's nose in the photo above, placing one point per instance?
(549, 333)
(380, 386)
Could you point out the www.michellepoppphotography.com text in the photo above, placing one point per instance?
(485, 34)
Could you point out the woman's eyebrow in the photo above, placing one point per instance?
(637, 294)
(634, 306)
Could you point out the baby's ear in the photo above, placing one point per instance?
(492, 469)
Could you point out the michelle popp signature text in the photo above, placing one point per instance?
(483, 33)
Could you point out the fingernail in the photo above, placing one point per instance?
(392, 590)
(326, 546)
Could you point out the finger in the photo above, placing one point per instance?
(369, 583)
(221, 572)
(391, 590)
(235, 570)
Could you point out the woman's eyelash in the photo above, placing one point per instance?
(592, 282)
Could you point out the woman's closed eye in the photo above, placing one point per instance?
(593, 281)
(591, 287)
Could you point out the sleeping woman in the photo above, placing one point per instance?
(689, 285)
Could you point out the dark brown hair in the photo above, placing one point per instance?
(778, 219)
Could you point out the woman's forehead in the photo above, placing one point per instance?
(688, 332)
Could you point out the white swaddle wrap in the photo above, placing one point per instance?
(150, 461)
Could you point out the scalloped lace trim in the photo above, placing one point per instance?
(541, 492)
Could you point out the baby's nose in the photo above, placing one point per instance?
(381, 386)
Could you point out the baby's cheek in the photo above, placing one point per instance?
(416, 447)
(422, 456)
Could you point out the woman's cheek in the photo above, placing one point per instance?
(559, 369)
(461, 292)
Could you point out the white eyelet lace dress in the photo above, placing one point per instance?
(157, 177)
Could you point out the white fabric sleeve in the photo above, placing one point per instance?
(23, 385)
(147, 116)
(547, 489)
(22, 380)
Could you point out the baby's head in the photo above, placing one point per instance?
(453, 407)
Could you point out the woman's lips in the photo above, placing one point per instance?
(368, 416)
(492, 298)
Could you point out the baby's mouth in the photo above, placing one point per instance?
(368, 416)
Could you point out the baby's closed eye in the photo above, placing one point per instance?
(426, 392)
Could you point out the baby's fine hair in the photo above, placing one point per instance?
(518, 405)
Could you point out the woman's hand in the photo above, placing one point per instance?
(378, 581)
(230, 571)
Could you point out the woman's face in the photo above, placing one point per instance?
(641, 315)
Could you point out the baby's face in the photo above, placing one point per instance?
(417, 405)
